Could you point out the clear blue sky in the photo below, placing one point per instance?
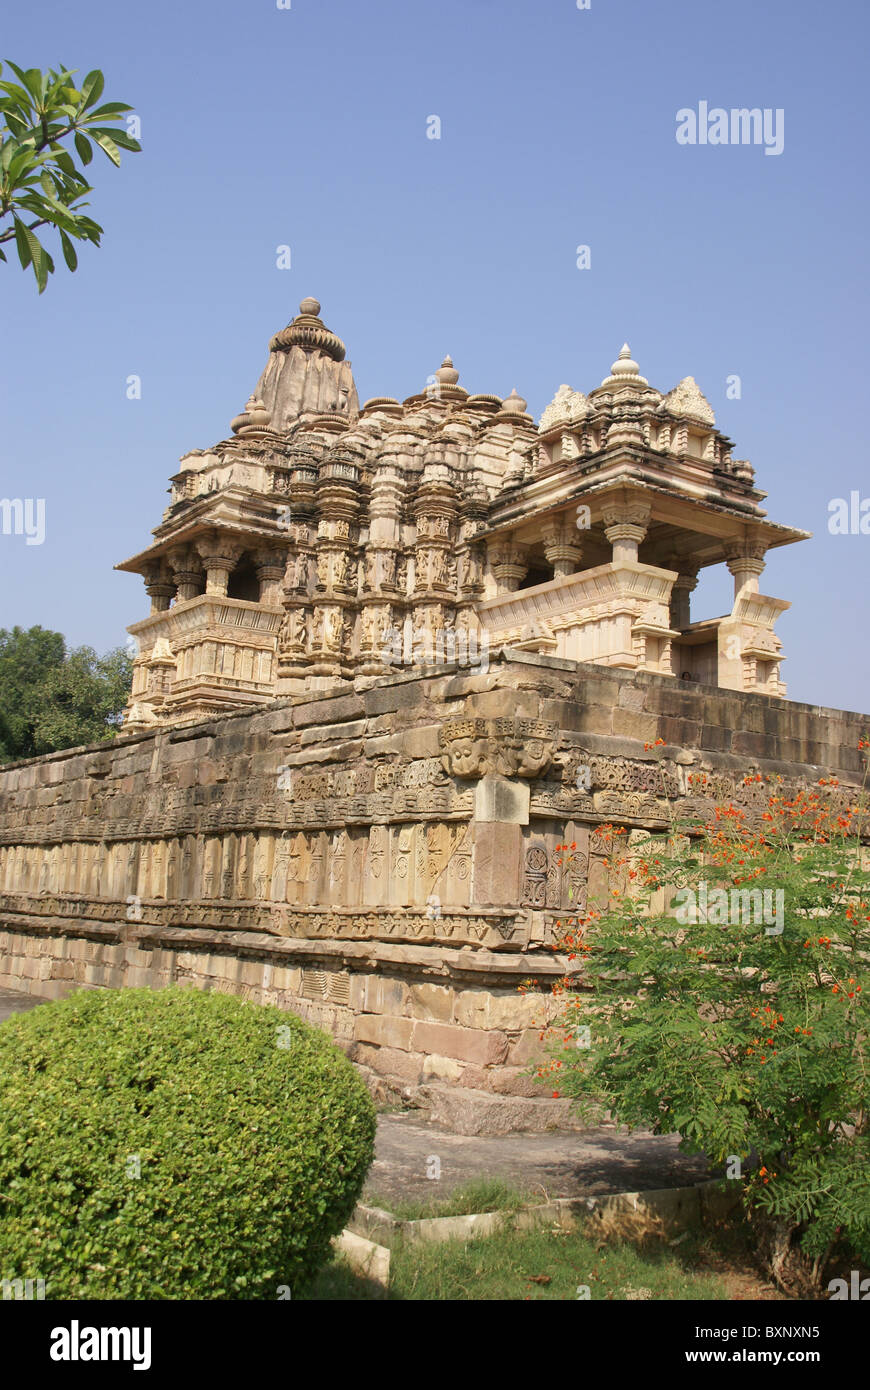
(307, 127)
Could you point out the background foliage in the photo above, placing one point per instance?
(51, 698)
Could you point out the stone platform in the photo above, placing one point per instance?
(381, 859)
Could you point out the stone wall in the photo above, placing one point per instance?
(380, 860)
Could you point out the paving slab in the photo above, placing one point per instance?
(600, 1160)
(12, 1001)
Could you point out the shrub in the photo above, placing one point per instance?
(174, 1144)
(738, 1023)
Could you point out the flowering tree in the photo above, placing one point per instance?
(720, 994)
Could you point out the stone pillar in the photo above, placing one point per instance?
(746, 563)
(219, 557)
(269, 566)
(509, 565)
(562, 549)
(684, 585)
(187, 573)
(160, 588)
(625, 526)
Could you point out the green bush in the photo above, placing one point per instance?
(174, 1144)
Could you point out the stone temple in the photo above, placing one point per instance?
(327, 543)
(396, 655)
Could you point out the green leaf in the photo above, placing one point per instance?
(92, 88)
(110, 108)
(83, 147)
(107, 145)
(21, 242)
(69, 251)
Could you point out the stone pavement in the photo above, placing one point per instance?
(559, 1163)
(13, 1002)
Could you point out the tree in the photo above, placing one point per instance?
(26, 658)
(51, 698)
(721, 994)
(40, 183)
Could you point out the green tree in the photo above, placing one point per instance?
(40, 182)
(51, 698)
(81, 701)
(721, 994)
(26, 659)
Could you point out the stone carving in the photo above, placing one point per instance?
(566, 405)
(687, 399)
(510, 747)
(535, 874)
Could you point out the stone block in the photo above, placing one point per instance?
(391, 1062)
(431, 1002)
(383, 994)
(466, 1044)
(528, 1047)
(466, 1111)
(437, 1068)
(496, 864)
(630, 723)
(511, 1010)
(385, 1030)
(498, 799)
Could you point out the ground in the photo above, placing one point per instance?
(557, 1164)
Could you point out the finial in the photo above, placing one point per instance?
(624, 371)
(310, 307)
(514, 403)
(255, 416)
(447, 373)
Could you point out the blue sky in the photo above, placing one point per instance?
(306, 127)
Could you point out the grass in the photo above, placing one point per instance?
(483, 1194)
(557, 1265)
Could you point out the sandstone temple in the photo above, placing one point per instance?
(325, 542)
(396, 655)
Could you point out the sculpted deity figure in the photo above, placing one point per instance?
(388, 568)
(296, 628)
(439, 567)
(332, 629)
(339, 567)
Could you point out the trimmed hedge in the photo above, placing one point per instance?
(174, 1144)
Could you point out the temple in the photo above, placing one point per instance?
(399, 656)
(327, 543)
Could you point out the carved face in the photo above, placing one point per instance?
(465, 757)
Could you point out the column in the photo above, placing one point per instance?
(625, 526)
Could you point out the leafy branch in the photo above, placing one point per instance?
(40, 182)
